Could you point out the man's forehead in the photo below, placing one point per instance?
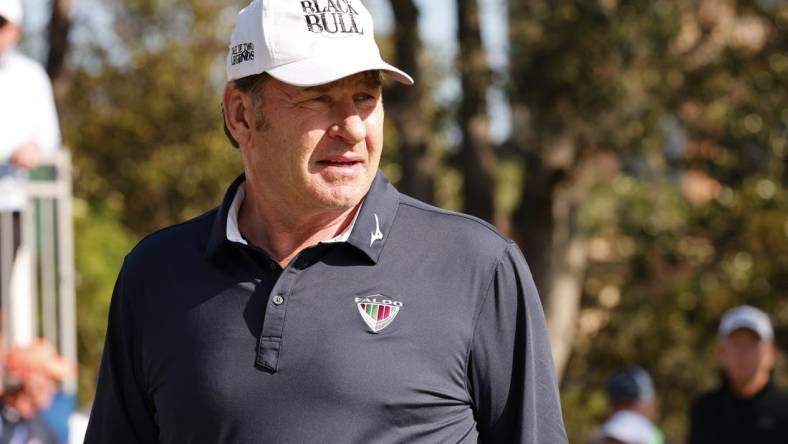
(370, 79)
(742, 333)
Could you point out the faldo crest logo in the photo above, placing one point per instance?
(242, 53)
(377, 311)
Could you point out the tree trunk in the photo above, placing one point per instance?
(408, 110)
(545, 226)
(478, 159)
(59, 26)
(545, 223)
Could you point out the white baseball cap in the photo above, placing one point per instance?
(745, 316)
(11, 10)
(306, 43)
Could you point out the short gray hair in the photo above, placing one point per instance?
(252, 85)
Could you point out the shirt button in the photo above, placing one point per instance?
(278, 300)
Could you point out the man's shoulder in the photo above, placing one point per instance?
(454, 228)
(778, 396)
(23, 64)
(708, 400)
(177, 241)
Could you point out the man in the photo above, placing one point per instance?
(318, 304)
(28, 131)
(634, 407)
(34, 373)
(747, 407)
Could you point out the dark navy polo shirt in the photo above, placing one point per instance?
(425, 326)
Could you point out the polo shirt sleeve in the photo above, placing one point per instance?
(511, 376)
(122, 412)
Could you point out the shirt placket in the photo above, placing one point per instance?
(269, 346)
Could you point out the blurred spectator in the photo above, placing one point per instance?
(58, 414)
(747, 407)
(628, 427)
(28, 122)
(31, 382)
(633, 401)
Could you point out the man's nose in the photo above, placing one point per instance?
(349, 125)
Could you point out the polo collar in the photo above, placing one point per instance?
(368, 232)
(218, 237)
(375, 218)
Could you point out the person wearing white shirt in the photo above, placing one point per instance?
(28, 120)
(28, 126)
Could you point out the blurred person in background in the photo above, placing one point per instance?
(634, 407)
(628, 427)
(28, 123)
(33, 374)
(747, 407)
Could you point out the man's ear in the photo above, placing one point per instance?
(238, 114)
(770, 354)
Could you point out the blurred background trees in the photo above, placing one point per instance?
(644, 176)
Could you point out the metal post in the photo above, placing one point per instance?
(6, 257)
(68, 315)
(48, 271)
(28, 246)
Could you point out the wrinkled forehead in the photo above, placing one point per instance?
(370, 79)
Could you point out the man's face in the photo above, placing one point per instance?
(745, 357)
(319, 147)
(9, 35)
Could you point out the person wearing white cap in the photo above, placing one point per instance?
(28, 130)
(317, 304)
(28, 120)
(748, 407)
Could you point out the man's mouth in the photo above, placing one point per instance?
(339, 162)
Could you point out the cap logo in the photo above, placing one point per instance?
(242, 53)
(377, 311)
(331, 16)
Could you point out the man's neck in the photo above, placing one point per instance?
(752, 387)
(284, 231)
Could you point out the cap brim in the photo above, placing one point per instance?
(746, 325)
(323, 70)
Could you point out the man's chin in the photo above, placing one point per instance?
(342, 194)
(340, 202)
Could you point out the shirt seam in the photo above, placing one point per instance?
(460, 216)
(200, 218)
(477, 315)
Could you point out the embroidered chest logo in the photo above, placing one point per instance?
(331, 17)
(377, 311)
(376, 235)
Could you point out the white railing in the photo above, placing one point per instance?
(39, 299)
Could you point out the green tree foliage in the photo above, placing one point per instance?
(142, 116)
(102, 243)
(676, 109)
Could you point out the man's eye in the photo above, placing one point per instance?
(364, 97)
(321, 99)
